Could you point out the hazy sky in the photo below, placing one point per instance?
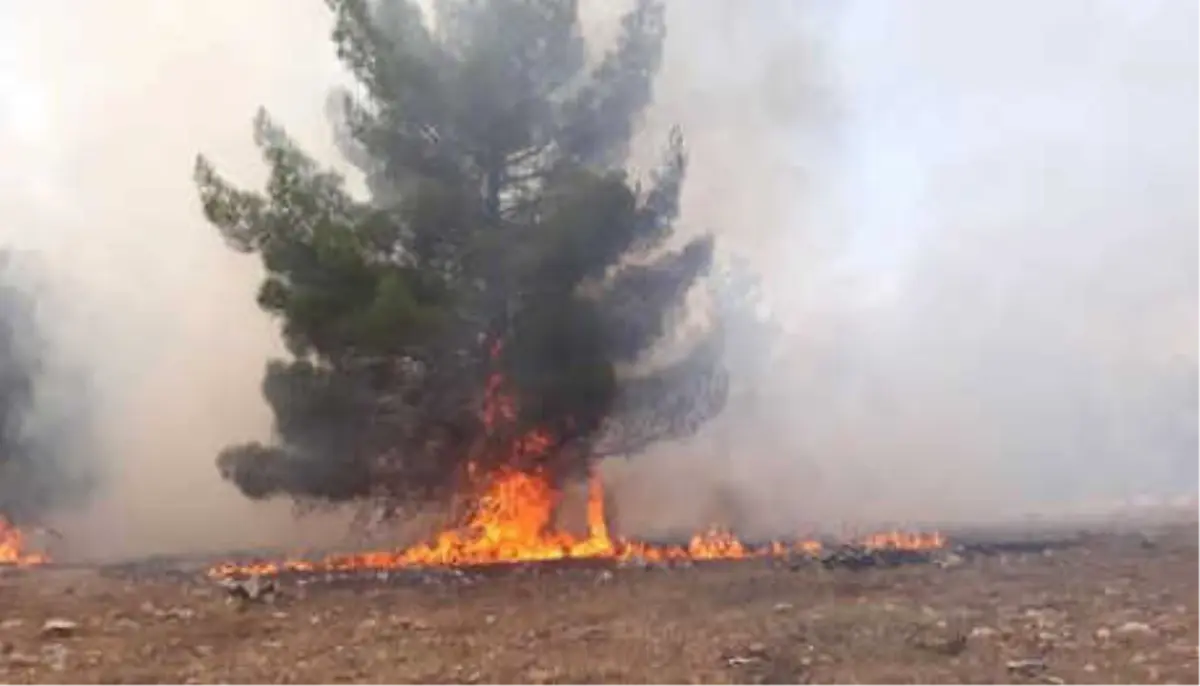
(978, 221)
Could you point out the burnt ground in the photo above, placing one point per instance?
(1109, 609)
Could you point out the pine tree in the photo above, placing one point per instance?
(501, 235)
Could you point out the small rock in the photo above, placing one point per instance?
(12, 623)
(1051, 679)
(1027, 667)
(756, 650)
(489, 619)
(180, 613)
(1089, 668)
(203, 650)
(1134, 629)
(1103, 634)
(254, 588)
(279, 615)
(948, 560)
(983, 632)
(604, 577)
(59, 628)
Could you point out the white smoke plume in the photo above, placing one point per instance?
(976, 224)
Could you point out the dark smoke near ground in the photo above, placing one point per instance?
(504, 251)
(42, 468)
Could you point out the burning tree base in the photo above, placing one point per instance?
(515, 499)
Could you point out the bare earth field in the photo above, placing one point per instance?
(1113, 608)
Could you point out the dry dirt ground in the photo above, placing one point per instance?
(1117, 608)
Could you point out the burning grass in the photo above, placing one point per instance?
(14, 550)
(513, 523)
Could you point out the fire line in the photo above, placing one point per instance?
(513, 521)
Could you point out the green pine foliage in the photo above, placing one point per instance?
(501, 235)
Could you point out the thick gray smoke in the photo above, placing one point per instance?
(44, 429)
(976, 224)
(990, 287)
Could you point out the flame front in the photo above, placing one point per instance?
(513, 521)
(12, 547)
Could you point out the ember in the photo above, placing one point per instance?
(12, 547)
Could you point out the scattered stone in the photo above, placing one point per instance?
(12, 623)
(59, 628)
(489, 619)
(1134, 629)
(948, 559)
(983, 632)
(1103, 634)
(180, 613)
(255, 588)
(783, 607)
(1029, 667)
(1089, 668)
(738, 660)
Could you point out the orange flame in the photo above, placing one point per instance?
(513, 521)
(12, 547)
(905, 540)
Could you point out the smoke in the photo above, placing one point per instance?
(976, 225)
(989, 287)
(103, 110)
(43, 405)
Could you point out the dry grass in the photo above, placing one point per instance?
(1114, 610)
